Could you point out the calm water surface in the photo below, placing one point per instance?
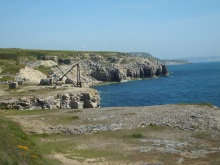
(190, 83)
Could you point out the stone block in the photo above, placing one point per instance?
(46, 81)
(65, 97)
(64, 104)
(90, 104)
(69, 81)
(76, 105)
(13, 85)
(59, 83)
(85, 96)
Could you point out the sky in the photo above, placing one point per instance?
(166, 29)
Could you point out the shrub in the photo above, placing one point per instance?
(137, 135)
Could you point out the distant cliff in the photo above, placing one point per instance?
(94, 66)
(202, 59)
(119, 72)
(174, 62)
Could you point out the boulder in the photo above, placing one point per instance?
(13, 85)
(64, 104)
(69, 81)
(164, 70)
(89, 104)
(65, 97)
(59, 83)
(46, 81)
(85, 96)
(76, 105)
(64, 61)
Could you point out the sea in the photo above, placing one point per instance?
(187, 83)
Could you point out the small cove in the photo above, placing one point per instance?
(188, 83)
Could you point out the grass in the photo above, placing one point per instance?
(43, 112)
(198, 104)
(137, 135)
(69, 145)
(16, 147)
(202, 135)
(64, 120)
(31, 55)
(10, 66)
(98, 145)
(44, 69)
(37, 53)
(74, 111)
(74, 117)
(7, 78)
(3, 106)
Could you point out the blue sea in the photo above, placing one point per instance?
(188, 83)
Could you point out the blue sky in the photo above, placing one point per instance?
(164, 28)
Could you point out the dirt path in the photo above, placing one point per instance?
(66, 161)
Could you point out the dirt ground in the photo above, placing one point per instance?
(157, 135)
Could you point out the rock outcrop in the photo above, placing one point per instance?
(120, 72)
(61, 98)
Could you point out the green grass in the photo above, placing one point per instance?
(17, 54)
(202, 135)
(7, 78)
(16, 147)
(137, 135)
(3, 106)
(69, 144)
(10, 66)
(198, 104)
(74, 117)
(44, 69)
(74, 111)
(32, 112)
(156, 128)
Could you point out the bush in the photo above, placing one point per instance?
(137, 135)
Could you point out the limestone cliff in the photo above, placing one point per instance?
(95, 66)
(120, 72)
(115, 68)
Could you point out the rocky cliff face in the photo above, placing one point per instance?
(107, 67)
(120, 72)
(50, 98)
